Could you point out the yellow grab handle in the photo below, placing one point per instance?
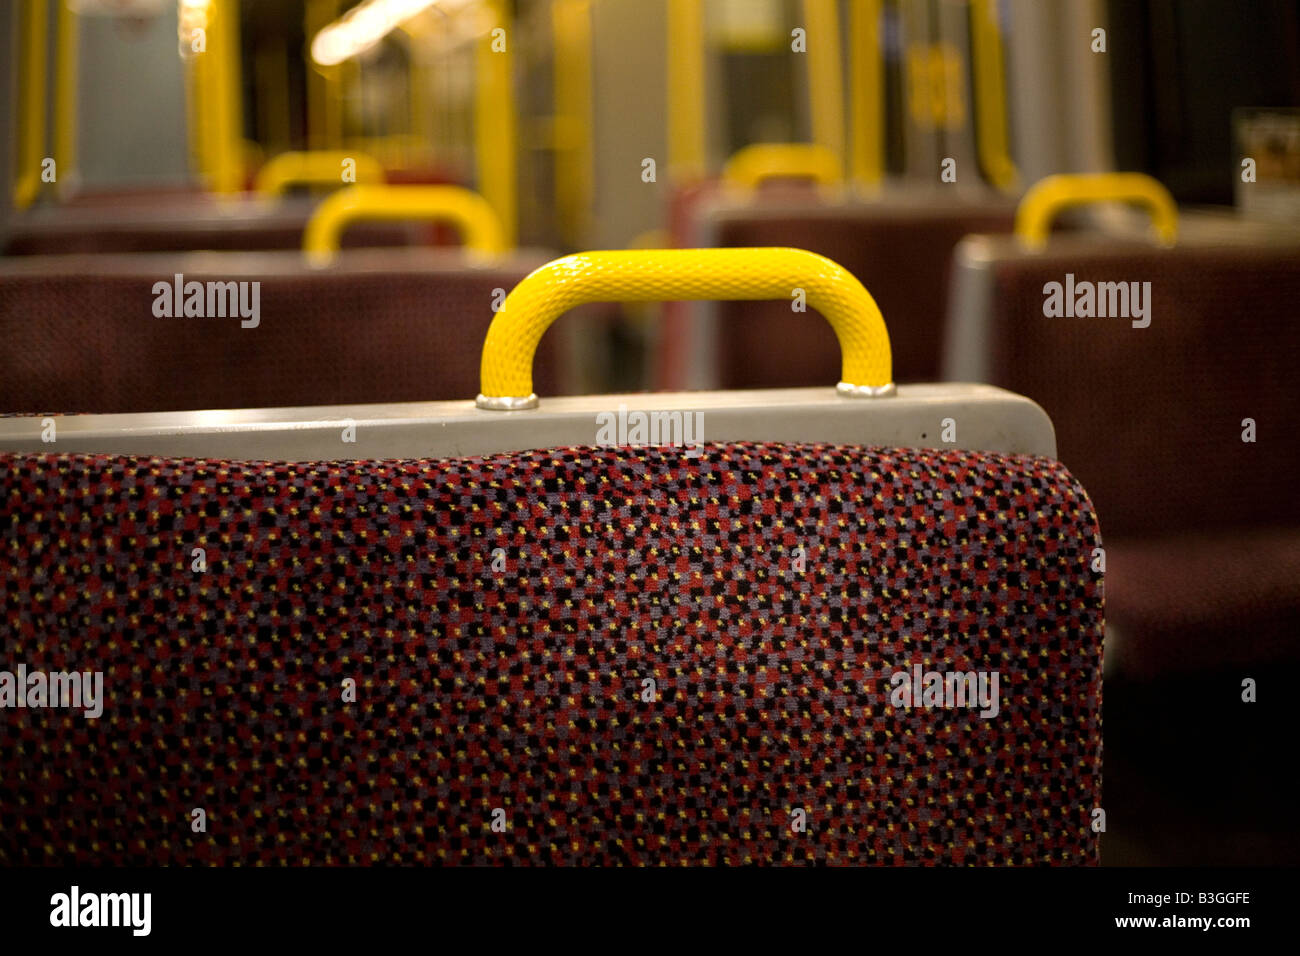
(650, 275)
(316, 168)
(1049, 196)
(750, 166)
(479, 226)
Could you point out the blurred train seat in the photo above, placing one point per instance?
(114, 333)
(272, 216)
(1174, 415)
(1202, 560)
(565, 649)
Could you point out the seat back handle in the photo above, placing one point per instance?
(655, 275)
(1047, 197)
(480, 227)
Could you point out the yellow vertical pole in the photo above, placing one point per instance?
(825, 78)
(213, 93)
(227, 114)
(494, 120)
(867, 93)
(990, 96)
(571, 30)
(31, 108)
(65, 98)
(686, 92)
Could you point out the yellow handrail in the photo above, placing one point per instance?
(31, 108)
(682, 274)
(316, 168)
(478, 223)
(686, 90)
(494, 120)
(214, 109)
(574, 174)
(867, 94)
(990, 96)
(1049, 196)
(752, 165)
(825, 80)
(227, 165)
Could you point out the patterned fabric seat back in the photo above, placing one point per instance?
(1221, 336)
(86, 333)
(1171, 419)
(583, 655)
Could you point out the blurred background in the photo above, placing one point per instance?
(226, 139)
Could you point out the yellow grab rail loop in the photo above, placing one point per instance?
(479, 226)
(316, 168)
(1049, 196)
(752, 165)
(650, 275)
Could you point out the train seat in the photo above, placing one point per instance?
(482, 634)
(190, 223)
(90, 333)
(1211, 340)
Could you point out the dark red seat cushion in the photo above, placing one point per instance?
(522, 688)
(179, 222)
(1204, 528)
(1150, 419)
(1197, 603)
(81, 335)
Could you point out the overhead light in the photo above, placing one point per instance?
(364, 26)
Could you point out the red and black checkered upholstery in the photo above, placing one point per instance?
(1203, 529)
(81, 334)
(502, 619)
